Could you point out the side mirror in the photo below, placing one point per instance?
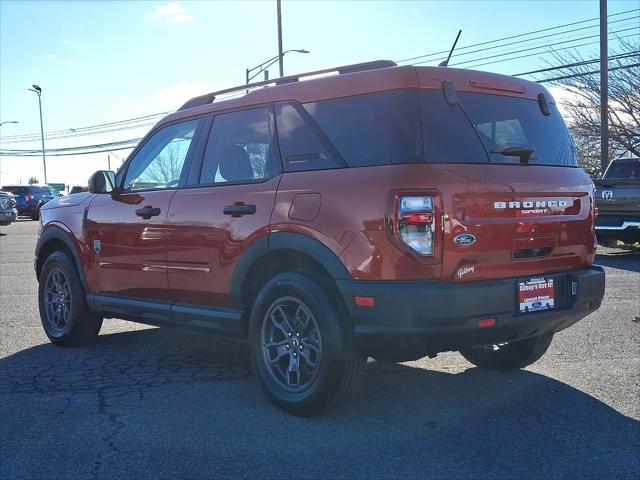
(103, 181)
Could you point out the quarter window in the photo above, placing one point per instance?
(300, 140)
(159, 163)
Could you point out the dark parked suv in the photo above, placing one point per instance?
(373, 210)
(30, 198)
(8, 212)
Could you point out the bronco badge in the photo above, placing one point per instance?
(97, 246)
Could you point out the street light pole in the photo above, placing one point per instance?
(8, 121)
(249, 75)
(280, 54)
(38, 91)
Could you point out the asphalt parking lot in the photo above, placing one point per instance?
(154, 403)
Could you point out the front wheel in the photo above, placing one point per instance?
(65, 315)
(510, 356)
(302, 348)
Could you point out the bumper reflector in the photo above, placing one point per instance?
(365, 301)
(487, 322)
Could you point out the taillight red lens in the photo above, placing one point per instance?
(28, 198)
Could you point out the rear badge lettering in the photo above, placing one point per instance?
(532, 204)
(97, 246)
(464, 239)
(531, 207)
(462, 271)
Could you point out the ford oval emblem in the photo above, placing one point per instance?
(464, 239)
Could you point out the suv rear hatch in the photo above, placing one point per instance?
(508, 175)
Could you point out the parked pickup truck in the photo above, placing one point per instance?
(618, 201)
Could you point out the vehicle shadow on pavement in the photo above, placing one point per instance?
(163, 403)
(622, 259)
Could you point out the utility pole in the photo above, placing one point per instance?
(604, 88)
(280, 54)
(109, 162)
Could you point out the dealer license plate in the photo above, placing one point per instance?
(535, 294)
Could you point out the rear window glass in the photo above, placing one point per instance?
(16, 190)
(501, 123)
(448, 135)
(624, 169)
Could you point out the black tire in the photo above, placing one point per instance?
(340, 366)
(35, 216)
(510, 356)
(65, 315)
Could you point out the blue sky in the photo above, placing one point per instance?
(105, 61)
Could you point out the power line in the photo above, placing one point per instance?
(593, 72)
(526, 41)
(78, 150)
(579, 64)
(82, 134)
(92, 127)
(546, 45)
(539, 53)
(519, 35)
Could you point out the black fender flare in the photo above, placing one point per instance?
(58, 233)
(285, 241)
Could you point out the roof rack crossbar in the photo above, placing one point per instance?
(357, 67)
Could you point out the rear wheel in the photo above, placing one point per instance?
(510, 356)
(65, 315)
(302, 349)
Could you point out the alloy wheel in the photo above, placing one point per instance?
(291, 344)
(57, 300)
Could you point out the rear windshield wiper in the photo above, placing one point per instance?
(523, 152)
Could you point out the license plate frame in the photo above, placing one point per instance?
(536, 294)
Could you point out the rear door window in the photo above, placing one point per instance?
(240, 149)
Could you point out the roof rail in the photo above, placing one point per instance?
(356, 67)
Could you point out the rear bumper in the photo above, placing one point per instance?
(27, 209)
(7, 216)
(631, 226)
(414, 319)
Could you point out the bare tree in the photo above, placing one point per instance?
(166, 167)
(580, 77)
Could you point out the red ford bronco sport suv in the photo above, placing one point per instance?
(368, 210)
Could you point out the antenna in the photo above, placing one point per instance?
(446, 62)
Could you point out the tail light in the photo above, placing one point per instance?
(416, 223)
(28, 197)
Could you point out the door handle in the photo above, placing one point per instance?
(239, 209)
(148, 212)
